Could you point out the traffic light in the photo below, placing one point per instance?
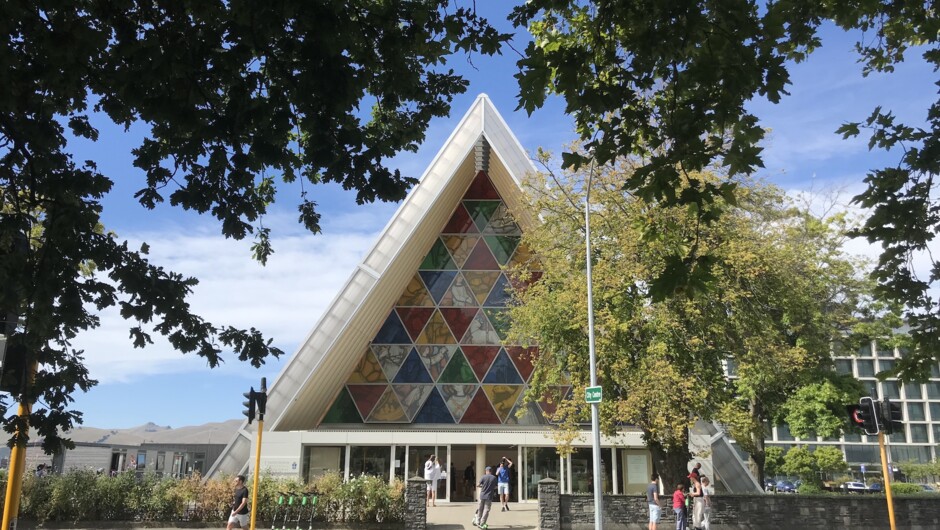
(250, 405)
(866, 415)
(892, 419)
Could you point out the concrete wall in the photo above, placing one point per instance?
(733, 512)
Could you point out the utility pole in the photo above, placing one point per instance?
(11, 504)
(593, 395)
(256, 400)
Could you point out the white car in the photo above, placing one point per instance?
(855, 487)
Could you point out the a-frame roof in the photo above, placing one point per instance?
(306, 387)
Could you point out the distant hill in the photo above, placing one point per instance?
(216, 433)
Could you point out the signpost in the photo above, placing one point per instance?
(593, 394)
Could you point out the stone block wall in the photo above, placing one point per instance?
(743, 512)
(416, 509)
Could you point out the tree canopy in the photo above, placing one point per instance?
(236, 95)
(670, 82)
(782, 289)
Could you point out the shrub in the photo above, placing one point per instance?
(903, 488)
(807, 488)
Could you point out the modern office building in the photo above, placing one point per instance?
(920, 404)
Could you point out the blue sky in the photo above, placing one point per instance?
(287, 297)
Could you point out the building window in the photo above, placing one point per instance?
(371, 461)
(915, 412)
(865, 350)
(862, 454)
(844, 366)
(319, 460)
(870, 386)
(889, 389)
(901, 453)
(935, 371)
(865, 368)
(919, 433)
(161, 462)
(933, 390)
(913, 391)
(783, 433)
(936, 433)
(935, 413)
(540, 463)
(851, 436)
(885, 365)
(141, 461)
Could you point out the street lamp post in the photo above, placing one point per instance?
(595, 412)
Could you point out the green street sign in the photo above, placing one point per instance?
(593, 394)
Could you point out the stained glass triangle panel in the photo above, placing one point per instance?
(460, 247)
(438, 258)
(480, 358)
(502, 247)
(481, 259)
(499, 296)
(501, 223)
(551, 398)
(503, 398)
(436, 331)
(480, 411)
(392, 331)
(369, 370)
(481, 188)
(415, 294)
(522, 281)
(459, 294)
(414, 319)
(480, 211)
(458, 318)
(412, 397)
(457, 398)
(502, 371)
(412, 370)
(530, 415)
(343, 410)
(460, 222)
(436, 358)
(366, 396)
(499, 318)
(437, 282)
(523, 257)
(480, 331)
(481, 283)
(388, 409)
(523, 358)
(391, 356)
(434, 411)
(458, 370)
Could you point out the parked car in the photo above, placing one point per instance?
(769, 485)
(785, 486)
(875, 487)
(928, 488)
(855, 487)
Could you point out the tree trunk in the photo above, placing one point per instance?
(757, 457)
(671, 463)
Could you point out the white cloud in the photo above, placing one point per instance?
(283, 299)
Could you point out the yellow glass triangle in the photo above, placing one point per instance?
(388, 409)
(481, 283)
(416, 294)
(503, 398)
(460, 247)
(436, 331)
(369, 370)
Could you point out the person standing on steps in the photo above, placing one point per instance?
(502, 476)
(239, 515)
(487, 486)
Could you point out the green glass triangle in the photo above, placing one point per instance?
(502, 247)
(458, 371)
(499, 318)
(438, 258)
(343, 410)
(481, 211)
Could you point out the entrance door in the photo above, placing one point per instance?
(464, 483)
(494, 454)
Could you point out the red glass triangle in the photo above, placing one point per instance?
(481, 259)
(458, 318)
(366, 396)
(480, 358)
(550, 399)
(480, 411)
(522, 358)
(521, 283)
(414, 319)
(481, 188)
(460, 222)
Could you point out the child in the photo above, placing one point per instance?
(678, 505)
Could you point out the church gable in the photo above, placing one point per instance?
(451, 321)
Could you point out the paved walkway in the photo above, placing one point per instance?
(458, 515)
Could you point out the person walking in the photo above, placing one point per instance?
(432, 473)
(502, 475)
(678, 505)
(239, 515)
(487, 486)
(652, 497)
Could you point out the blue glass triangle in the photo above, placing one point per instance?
(437, 282)
(434, 410)
(503, 372)
(392, 332)
(500, 293)
(413, 370)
